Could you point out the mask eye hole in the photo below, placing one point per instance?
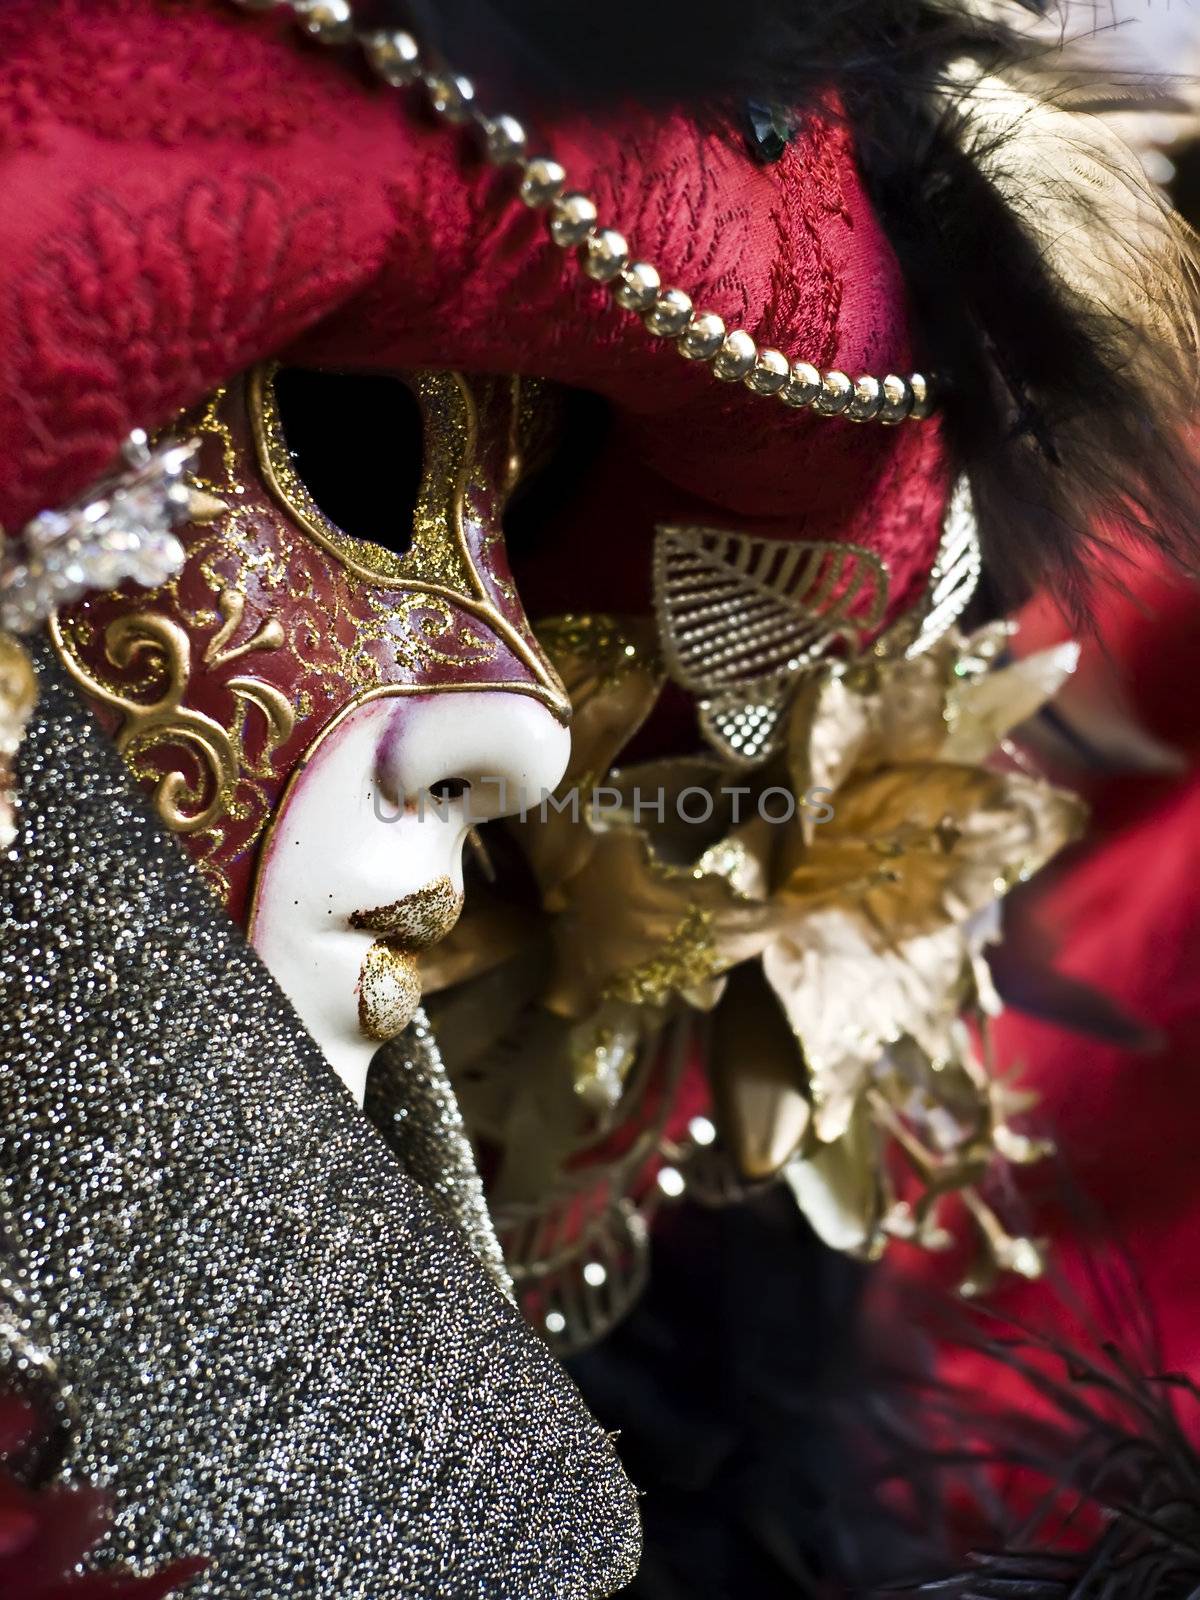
(356, 441)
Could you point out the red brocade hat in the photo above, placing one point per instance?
(221, 195)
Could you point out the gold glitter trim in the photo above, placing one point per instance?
(438, 553)
(688, 958)
(439, 563)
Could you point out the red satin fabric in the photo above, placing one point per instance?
(1119, 1204)
(1125, 915)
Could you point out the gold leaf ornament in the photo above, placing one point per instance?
(740, 618)
(885, 913)
(880, 902)
(744, 621)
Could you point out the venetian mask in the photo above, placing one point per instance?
(341, 682)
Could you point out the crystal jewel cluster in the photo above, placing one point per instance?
(121, 530)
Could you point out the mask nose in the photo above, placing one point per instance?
(487, 753)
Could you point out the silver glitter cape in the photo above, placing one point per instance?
(283, 1356)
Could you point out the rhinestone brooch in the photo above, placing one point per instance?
(122, 530)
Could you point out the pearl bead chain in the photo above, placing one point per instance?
(574, 224)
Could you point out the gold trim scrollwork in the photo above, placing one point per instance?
(161, 650)
(439, 569)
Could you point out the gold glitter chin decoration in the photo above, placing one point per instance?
(389, 991)
(389, 985)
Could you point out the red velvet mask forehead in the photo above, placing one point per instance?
(216, 685)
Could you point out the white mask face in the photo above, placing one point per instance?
(305, 690)
(364, 865)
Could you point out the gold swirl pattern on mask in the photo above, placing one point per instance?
(186, 804)
(148, 683)
(151, 664)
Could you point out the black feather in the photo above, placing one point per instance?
(1068, 412)
(1120, 1519)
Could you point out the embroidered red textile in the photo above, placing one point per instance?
(221, 194)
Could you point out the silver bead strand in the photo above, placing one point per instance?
(543, 181)
(329, 21)
(867, 400)
(922, 404)
(670, 314)
(835, 394)
(572, 218)
(505, 141)
(897, 400)
(803, 385)
(769, 373)
(736, 358)
(451, 95)
(394, 56)
(604, 255)
(637, 288)
(702, 338)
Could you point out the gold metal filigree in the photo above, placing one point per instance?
(744, 621)
(741, 617)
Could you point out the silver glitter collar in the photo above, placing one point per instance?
(283, 1356)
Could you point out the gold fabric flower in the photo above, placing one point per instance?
(883, 907)
(884, 913)
(839, 952)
